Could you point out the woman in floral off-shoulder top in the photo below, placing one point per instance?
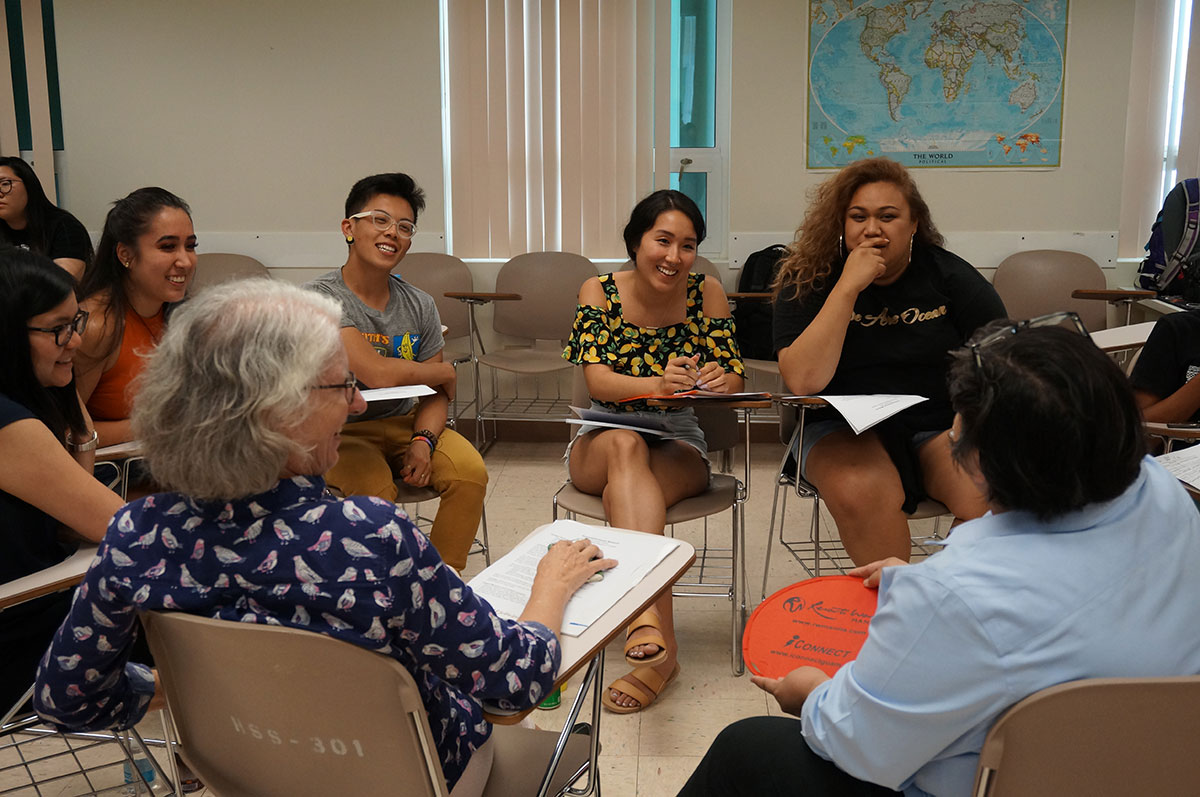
(657, 328)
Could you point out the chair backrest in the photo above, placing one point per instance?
(436, 273)
(1104, 736)
(270, 710)
(213, 268)
(549, 284)
(1040, 281)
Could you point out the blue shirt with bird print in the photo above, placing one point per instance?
(356, 569)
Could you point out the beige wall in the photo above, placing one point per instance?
(260, 113)
(769, 181)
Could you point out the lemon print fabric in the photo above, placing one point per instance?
(601, 335)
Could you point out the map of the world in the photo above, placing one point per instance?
(936, 82)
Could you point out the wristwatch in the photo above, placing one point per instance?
(88, 444)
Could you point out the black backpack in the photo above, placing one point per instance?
(1174, 246)
(753, 317)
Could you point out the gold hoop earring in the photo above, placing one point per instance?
(910, 246)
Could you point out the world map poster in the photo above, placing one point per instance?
(936, 82)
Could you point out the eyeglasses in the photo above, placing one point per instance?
(6, 184)
(1050, 320)
(63, 332)
(383, 222)
(349, 386)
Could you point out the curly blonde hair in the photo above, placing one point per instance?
(811, 256)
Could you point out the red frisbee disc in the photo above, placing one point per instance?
(821, 622)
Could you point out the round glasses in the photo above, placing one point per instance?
(383, 222)
(6, 184)
(350, 386)
(63, 332)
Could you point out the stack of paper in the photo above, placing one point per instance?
(618, 420)
(1183, 464)
(506, 584)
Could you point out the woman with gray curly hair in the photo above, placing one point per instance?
(239, 414)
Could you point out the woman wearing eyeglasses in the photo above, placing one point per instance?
(868, 301)
(47, 444)
(28, 219)
(145, 259)
(257, 375)
(393, 336)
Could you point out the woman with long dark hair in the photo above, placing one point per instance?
(657, 328)
(29, 220)
(47, 445)
(144, 261)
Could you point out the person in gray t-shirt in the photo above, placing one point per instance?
(393, 336)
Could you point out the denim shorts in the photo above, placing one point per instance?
(814, 432)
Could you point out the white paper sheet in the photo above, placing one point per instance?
(507, 582)
(1183, 464)
(400, 392)
(863, 412)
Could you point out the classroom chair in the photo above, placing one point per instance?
(546, 286)
(38, 758)
(1101, 737)
(815, 552)
(1043, 281)
(718, 571)
(438, 274)
(304, 713)
(213, 268)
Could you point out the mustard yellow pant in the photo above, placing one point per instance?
(371, 454)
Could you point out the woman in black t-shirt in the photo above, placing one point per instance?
(28, 219)
(867, 301)
(47, 445)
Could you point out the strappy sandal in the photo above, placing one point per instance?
(648, 619)
(651, 686)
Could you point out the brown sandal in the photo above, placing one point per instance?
(652, 685)
(647, 619)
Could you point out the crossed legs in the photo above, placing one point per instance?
(861, 487)
(637, 483)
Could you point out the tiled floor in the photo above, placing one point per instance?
(652, 753)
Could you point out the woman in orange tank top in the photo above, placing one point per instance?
(145, 259)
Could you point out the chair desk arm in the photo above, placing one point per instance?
(1113, 295)
(476, 297)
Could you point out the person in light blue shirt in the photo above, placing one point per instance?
(1084, 567)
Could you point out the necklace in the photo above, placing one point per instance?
(155, 336)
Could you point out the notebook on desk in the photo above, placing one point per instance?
(507, 582)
